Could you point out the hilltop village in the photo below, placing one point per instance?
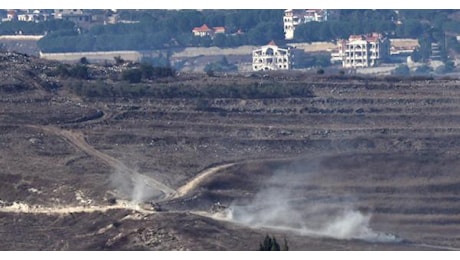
(393, 42)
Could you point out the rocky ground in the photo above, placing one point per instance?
(362, 164)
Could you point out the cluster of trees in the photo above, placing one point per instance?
(163, 29)
(101, 89)
(404, 70)
(21, 27)
(347, 22)
(78, 71)
(160, 29)
(270, 244)
(146, 71)
(133, 73)
(400, 24)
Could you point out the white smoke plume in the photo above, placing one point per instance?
(278, 207)
(132, 187)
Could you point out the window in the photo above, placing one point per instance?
(269, 51)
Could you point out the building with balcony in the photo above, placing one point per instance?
(271, 57)
(361, 51)
(294, 17)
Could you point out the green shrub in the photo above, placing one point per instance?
(132, 75)
(79, 72)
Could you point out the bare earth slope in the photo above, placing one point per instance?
(362, 165)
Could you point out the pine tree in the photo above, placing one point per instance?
(275, 245)
(270, 244)
(285, 245)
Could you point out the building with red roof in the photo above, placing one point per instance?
(205, 30)
(362, 50)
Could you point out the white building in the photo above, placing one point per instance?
(205, 30)
(361, 51)
(32, 16)
(271, 57)
(292, 18)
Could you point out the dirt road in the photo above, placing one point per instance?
(78, 140)
(181, 191)
(19, 207)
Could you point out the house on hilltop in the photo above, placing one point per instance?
(361, 51)
(271, 57)
(205, 30)
(33, 16)
(294, 17)
(10, 16)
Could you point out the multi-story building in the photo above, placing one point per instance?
(292, 18)
(33, 16)
(271, 57)
(362, 50)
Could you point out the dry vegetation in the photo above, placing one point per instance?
(387, 148)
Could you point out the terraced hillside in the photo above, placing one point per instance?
(348, 164)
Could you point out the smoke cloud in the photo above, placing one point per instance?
(132, 187)
(280, 205)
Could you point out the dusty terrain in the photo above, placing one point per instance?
(362, 164)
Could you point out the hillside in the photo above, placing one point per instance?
(194, 162)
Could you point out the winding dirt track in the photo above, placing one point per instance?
(183, 190)
(77, 139)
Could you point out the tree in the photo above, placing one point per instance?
(220, 40)
(118, 60)
(84, 61)
(132, 75)
(80, 72)
(401, 70)
(285, 245)
(146, 70)
(424, 69)
(270, 244)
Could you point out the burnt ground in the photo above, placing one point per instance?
(384, 150)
